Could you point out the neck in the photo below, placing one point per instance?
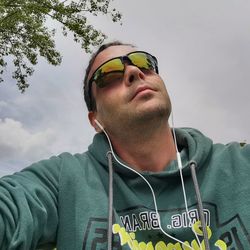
(146, 150)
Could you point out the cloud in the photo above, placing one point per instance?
(17, 142)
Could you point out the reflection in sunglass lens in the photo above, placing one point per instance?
(141, 60)
(113, 65)
(109, 78)
(101, 76)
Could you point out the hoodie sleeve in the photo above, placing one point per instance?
(28, 206)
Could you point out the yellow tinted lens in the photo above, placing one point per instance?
(141, 60)
(110, 78)
(113, 65)
(109, 67)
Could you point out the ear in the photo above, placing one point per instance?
(92, 115)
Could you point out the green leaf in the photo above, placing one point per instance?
(24, 34)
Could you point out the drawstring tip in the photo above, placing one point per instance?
(193, 164)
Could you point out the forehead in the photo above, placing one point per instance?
(109, 53)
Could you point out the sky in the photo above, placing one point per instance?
(203, 50)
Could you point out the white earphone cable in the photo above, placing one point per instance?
(151, 189)
(179, 162)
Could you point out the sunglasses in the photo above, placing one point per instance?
(115, 67)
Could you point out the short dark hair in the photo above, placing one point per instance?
(88, 97)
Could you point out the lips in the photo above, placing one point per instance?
(141, 89)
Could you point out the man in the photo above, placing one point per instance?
(131, 189)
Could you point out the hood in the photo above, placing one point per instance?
(192, 145)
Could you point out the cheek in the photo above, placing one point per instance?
(109, 94)
(107, 99)
(161, 84)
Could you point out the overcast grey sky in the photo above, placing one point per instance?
(203, 49)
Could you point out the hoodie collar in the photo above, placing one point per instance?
(192, 144)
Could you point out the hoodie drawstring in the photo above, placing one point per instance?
(110, 215)
(193, 165)
(198, 196)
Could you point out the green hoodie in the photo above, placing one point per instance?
(63, 201)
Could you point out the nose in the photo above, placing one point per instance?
(132, 74)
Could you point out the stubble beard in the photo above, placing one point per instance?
(152, 115)
(143, 120)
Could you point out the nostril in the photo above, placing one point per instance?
(131, 78)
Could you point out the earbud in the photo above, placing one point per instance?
(99, 125)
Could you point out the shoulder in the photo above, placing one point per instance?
(232, 150)
(232, 159)
(52, 168)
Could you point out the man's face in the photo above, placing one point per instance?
(139, 96)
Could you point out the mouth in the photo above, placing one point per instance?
(141, 91)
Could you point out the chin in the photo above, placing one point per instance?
(152, 112)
